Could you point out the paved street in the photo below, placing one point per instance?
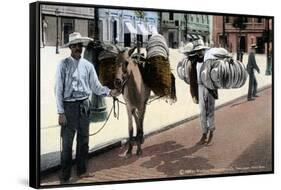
(242, 143)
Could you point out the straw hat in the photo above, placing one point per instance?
(254, 46)
(75, 38)
(198, 45)
(221, 53)
(187, 48)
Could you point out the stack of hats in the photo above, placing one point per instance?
(157, 47)
(220, 71)
(109, 52)
(182, 70)
(157, 74)
(107, 66)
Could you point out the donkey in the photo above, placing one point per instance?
(135, 92)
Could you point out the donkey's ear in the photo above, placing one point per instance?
(131, 51)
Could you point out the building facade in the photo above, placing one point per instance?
(226, 35)
(59, 21)
(124, 27)
(179, 28)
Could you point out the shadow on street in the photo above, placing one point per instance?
(170, 158)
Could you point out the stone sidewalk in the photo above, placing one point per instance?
(116, 130)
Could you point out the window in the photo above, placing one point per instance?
(91, 28)
(197, 18)
(67, 28)
(171, 16)
(227, 19)
(202, 17)
(101, 30)
(259, 20)
(114, 32)
(207, 18)
(191, 18)
(245, 19)
(177, 23)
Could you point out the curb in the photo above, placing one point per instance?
(119, 142)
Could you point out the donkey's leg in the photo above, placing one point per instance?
(141, 113)
(141, 118)
(139, 132)
(131, 132)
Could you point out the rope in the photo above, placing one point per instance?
(103, 124)
(116, 99)
(116, 115)
(154, 100)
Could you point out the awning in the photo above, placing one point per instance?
(194, 36)
(199, 36)
(129, 28)
(152, 29)
(141, 29)
(189, 36)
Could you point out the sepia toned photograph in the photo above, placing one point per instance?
(145, 94)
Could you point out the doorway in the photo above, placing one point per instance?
(68, 28)
(127, 39)
(243, 44)
(140, 39)
(171, 39)
(114, 32)
(260, 45)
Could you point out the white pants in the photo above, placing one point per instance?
(207, 109)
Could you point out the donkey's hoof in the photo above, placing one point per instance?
(139, 152)
(128, 154)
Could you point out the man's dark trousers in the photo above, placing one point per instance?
(76, 121)
(252, 90)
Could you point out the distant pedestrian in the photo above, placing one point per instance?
(251, 67)
(201, 95)
(76, 80)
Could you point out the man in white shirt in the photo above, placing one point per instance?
(202, 95)
(76, 80)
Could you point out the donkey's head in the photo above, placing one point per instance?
(123, 70)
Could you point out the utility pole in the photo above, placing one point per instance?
(96, 33)
(185, 17)
(57, 23)
(98, 106)
(223, 32)
(268, 52)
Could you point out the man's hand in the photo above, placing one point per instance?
(62, 119)
(115, 92)
(194, 100)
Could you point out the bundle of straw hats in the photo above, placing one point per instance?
(220, 71)
(157, 47)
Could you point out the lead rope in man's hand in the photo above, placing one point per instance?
(103, 124)
(116, 115)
